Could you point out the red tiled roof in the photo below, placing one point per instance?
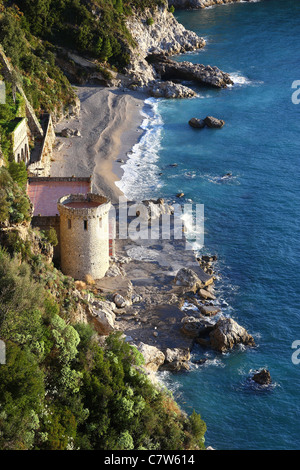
(45, 192)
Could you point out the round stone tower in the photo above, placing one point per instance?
(84, 235)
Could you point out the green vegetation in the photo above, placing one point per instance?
(60, 390)
(43, 82)
(95, 27)
(32, 31)
(15, 206)
(150, 21)
(9, 112)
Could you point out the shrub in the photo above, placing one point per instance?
(150, 21)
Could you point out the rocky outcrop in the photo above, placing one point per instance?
(196, 4)
(188, 278)
(227, 333)
(170, 90)
(103, 316)
(168, 69)
(152, 209)
(165, 35)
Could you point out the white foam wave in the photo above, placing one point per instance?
(141, 173)
(241, 80)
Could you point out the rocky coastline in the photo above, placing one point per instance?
(197, 4)
(161, 296)
(161, 307)
(150, 69)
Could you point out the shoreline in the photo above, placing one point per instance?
(109, 125)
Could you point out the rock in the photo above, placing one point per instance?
(177, 354)
(114, 271)
(188, 278)
(103, 317)
(200, 362)
(89, 280)
(136, 299)
(209, 311)
(175, 366)
(67, 132)
(213, 122)
(197, 4)
(154, 358)
(205, 294)
(170, 90)
(263, 377)
(227, 333)
(77, 133)
(195, 327)
(208, 259)
(197, 123)
(119, 301)
(157, 208)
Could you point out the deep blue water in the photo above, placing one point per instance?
(252, 220)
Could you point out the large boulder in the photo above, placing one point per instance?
(103, 316)
(206, 295)
(197, 123)
(262, 377)
(186, 277)
(153, 357)
(177, 359)
(209, 310)
(195, 327)
(227, 333)
(213, 122)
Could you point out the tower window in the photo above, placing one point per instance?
(69, 224)
(85, 224)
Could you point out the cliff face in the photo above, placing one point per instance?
(156, 32)
(196, 4)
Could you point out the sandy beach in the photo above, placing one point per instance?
(109, 126)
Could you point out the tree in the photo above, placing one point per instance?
(106, 51)
(21, 398)
(18, 173)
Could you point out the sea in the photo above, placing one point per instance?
(251, 216)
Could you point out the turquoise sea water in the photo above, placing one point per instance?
(252, 219)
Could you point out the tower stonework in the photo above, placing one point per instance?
(84, 235)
